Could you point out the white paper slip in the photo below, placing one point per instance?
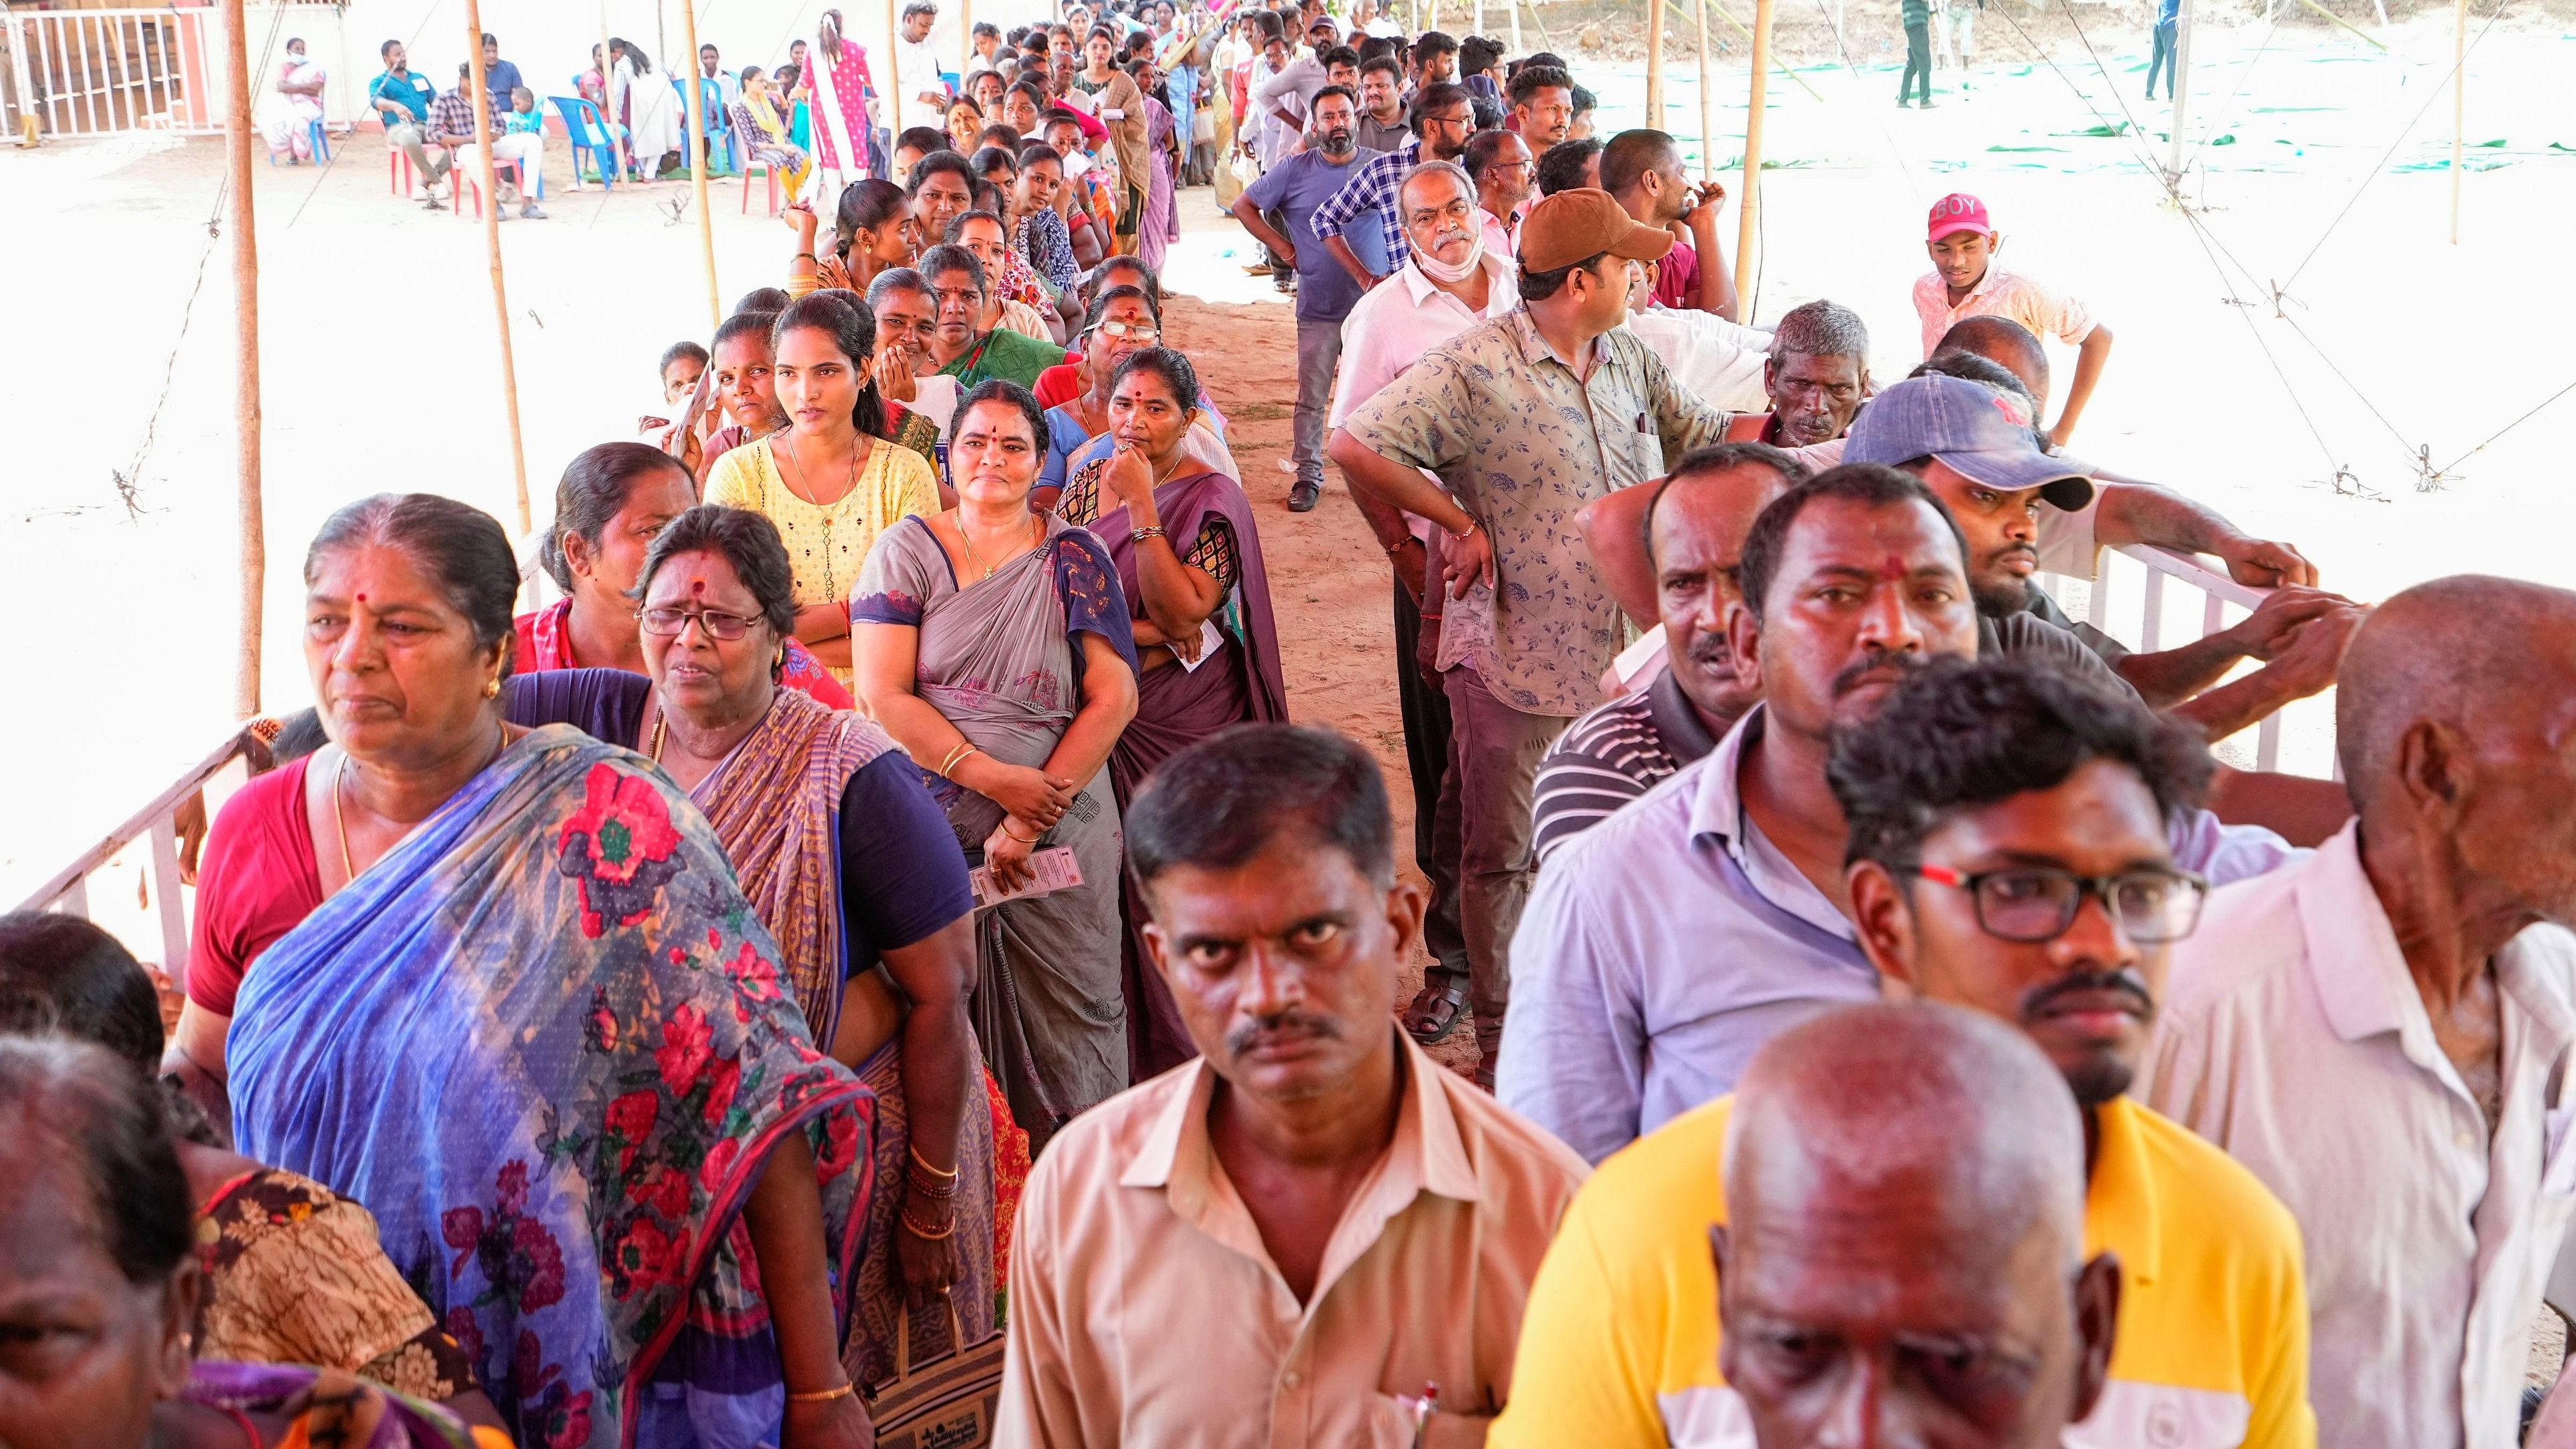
(1053, 869)
(1211, 639)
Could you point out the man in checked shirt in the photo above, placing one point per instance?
(1443, 118)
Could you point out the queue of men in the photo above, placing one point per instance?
(1964, 1057)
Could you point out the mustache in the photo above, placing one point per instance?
(2122, 981)
(1291, 1022)
(1879, 659)
(1709, 647)
(2017, 550)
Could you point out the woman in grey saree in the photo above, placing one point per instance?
(995, 646)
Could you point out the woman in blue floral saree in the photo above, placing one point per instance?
(543, 1038)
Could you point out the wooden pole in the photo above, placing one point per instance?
(2178, 87)
(698, 158)
(492, 245)
(1707, 126)
(1515, 8)
(1655, 65)
(965, 41)
(607, 109)
(891, 83)
(246, 410)
(2459, 110)
(1750, 203)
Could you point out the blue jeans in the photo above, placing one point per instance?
(2163, 60)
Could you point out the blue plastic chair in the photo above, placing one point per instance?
(321, 143)
(724, 157)
(591, 135)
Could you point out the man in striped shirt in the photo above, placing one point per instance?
(1694, 535)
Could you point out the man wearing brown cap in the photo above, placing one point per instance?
(1524, 418)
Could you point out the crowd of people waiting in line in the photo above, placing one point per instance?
(878, 906)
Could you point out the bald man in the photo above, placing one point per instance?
(1899, 1177)
(2381, 1032)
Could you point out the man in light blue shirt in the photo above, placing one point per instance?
(1663, 946)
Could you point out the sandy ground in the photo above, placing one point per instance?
(379, 357)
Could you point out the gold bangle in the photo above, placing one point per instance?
(925, 1234)
(1032, 840)
(824, 1396)
(950, 1174)
(957, 754)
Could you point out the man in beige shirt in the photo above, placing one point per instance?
(1312, 1235)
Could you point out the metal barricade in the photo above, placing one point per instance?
(97, 72)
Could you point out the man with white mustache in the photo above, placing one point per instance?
(1448, 283)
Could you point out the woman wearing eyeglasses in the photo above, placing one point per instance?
(1123, 320)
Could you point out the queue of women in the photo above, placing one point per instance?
(631, 1019)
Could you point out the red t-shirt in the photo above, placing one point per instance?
(257, 884)
(1058, 385)
(1677, 279)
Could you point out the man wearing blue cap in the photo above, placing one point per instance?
(1973, 446)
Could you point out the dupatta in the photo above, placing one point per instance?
(831, 119)
(776, 807)
(1184, 505)
(543, 1040)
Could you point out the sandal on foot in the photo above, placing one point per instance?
(1436, 1010)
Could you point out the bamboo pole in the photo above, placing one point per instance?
(2458, 114)
(1655, 66)
(965, 41)
(492, 246)
(246, 409)
(1751, 202)
(890, 85)
(1515, 7)
(1707, 126)
(698, 158)
(1781, 66)
(607, 119)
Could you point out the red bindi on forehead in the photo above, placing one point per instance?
(1892, 568)
(697, 586)
(362, 598)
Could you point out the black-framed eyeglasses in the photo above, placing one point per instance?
(2036, 903)
(668, 622)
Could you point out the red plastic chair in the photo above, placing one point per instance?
(398, 171)
(766, 170)
(460, 180)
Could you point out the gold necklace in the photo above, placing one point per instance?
(340, 818)
(977, 559)
(831, 587)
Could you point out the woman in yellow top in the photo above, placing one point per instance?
(830, 479)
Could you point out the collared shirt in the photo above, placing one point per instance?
(1649, 872)
(1619, 1348)
(2043, 309)
(1402, 319)
(1523, 444)
(452, 114)
(1385, 136)
(409, 91)
(916, 69)
(1145, 1310)
(499, 79)
(2294, 1037)
(1659, 950)
(1373, 189)
(1502, 233)
(1719, 360)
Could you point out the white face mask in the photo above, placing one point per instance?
(1440, 271)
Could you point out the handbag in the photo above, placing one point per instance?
(949, 1402)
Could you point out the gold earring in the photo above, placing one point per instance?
(492, 690)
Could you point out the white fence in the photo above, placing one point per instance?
(94, 72)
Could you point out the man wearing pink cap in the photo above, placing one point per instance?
(1964, 282)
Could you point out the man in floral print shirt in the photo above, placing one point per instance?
(1522, 438)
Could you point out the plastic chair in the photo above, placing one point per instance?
(460, 180)
(591, 136)
(767, 170)
(316, 141)
(720, 130)
(398, 172)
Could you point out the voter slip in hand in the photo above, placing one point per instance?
(1052, 869)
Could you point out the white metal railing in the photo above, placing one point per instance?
(95, 72)
(2127, 599)
(157, 826)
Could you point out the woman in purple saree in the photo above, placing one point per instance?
(1189, 562)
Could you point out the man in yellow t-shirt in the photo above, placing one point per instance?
(1903, 1257)
(2008, 854)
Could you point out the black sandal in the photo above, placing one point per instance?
(1436, 1009)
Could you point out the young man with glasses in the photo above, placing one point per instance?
(1443, 119)
(2007, 829)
